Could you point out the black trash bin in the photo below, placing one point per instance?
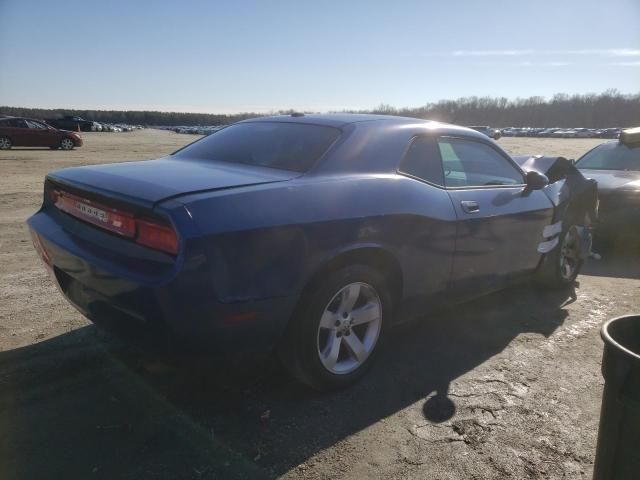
(618, 451)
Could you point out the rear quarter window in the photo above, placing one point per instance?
(423, 161)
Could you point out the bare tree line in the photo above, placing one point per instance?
(608, 109)
(130, 117)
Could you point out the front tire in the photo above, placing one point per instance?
(561, 266)
(5, 143)
(67, 144)
(338, 328)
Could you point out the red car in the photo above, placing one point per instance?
(26, 132)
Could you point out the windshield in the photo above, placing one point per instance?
(611, 156)
(286, 146)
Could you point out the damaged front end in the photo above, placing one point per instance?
(574, 197)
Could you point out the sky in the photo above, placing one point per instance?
(320, 55)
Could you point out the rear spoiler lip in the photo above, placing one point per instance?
(91, 192)
(140, 210)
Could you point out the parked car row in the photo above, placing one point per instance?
(108, 127)
(488, 131)
(556, 132)
(199, 130)
(75, 123)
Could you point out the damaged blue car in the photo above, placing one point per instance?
(308, 235)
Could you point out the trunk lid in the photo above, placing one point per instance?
(148, 182)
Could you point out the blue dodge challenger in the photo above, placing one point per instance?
(309, 235)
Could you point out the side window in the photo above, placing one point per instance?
(422, 161)
(35, 125)
(467, 163)
(19, 123)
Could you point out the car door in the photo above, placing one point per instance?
(430, 245)
(5, 128)
(499, 220)
(19, 132)
(39, 135)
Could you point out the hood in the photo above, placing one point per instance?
(609, 180)
(151, 181)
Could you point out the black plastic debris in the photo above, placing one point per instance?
(618, 451)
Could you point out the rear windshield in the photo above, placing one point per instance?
(611, 156)
(286, 146)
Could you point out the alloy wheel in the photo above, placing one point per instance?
(569, 254)
(349, 328)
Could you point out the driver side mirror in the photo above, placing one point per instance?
(536, 180)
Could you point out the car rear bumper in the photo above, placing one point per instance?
(176, 315)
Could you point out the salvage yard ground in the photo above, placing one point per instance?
(508, 386)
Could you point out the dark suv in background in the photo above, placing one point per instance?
(71, 122)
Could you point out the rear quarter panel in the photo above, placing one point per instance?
(268, 241)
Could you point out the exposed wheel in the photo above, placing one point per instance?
(5, 143)
(338, 328)
(562, 265)
(67, 144)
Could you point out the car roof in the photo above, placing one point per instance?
(331, 119)
(370, 121)
(19, 118)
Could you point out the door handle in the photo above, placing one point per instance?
(470, 206)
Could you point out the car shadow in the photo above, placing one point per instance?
(620, 258)
(82, 404)
(25, 149)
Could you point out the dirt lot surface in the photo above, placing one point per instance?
(508, 386)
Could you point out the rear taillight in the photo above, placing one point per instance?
(148, 232)
(105, 217)
(156, 235)
(39, 246)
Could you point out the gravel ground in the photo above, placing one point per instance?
(508, 386)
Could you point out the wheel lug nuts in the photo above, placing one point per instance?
(337, 324)
(345, 314)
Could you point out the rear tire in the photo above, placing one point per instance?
(338, 328)
(561, 266)
(5, 143)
